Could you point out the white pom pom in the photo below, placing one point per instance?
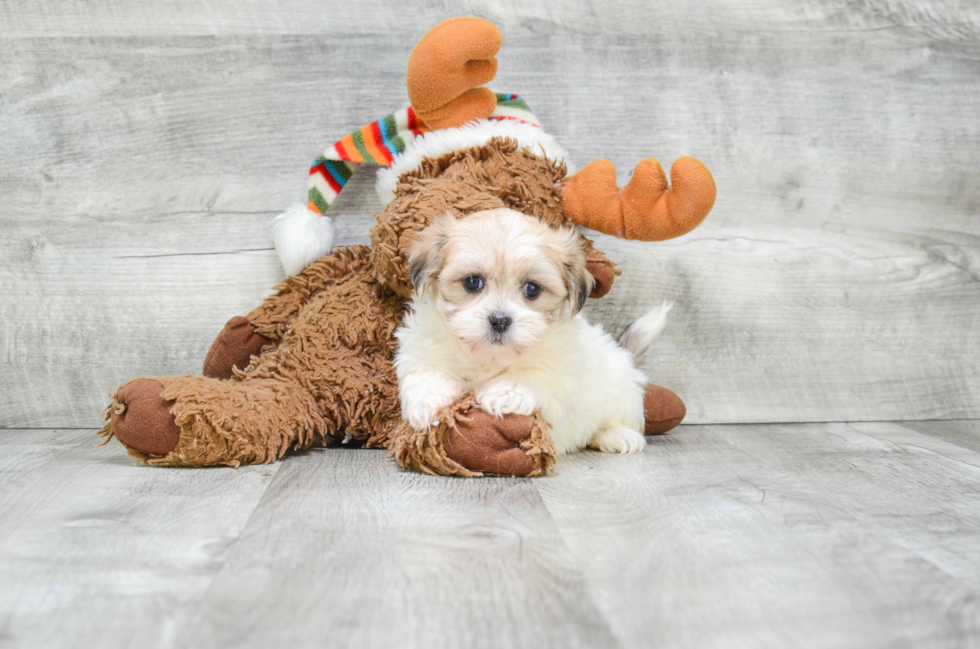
(301, 237)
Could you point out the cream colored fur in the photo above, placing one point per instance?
(585, 383)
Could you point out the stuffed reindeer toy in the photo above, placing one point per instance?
(314, 361)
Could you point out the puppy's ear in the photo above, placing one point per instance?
(425, 256)
(580, 285)
(578, 280)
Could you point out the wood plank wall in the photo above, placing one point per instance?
(145, 148)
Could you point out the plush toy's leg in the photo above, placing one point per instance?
(234, 347)
(197, 421)
(662, 409)
(468, 442)
(263, 328)
(646, 209)
(446, 67)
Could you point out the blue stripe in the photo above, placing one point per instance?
(336, 176)
(392, 151)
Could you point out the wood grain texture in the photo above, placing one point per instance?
(919, 491)
(355, 553)
(814, 535)
(807, 535)
(22, 451)
(96, 551)
(147, 147)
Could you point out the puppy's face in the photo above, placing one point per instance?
(500, 280)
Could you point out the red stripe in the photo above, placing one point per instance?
(378, 140)
(516, 119)
(341, 151)
(413, 124)
(323, 171)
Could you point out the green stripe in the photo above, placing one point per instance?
(513, 103)
(391, 130)
(342, 170)
(317, 199)
(359, 144)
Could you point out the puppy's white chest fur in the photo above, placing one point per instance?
(583, 382)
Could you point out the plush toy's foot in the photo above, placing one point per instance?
(662, 409)
(469, 442)
(234, 347)
(646, 209)
(199, 421)
(446, 68)
(141, 418)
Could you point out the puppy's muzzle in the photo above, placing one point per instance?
(499, 322)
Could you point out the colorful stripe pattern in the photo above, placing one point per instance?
(379, 143)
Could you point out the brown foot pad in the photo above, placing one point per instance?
(146, 424)
(234, 347)
(484, 443)
(663, 410)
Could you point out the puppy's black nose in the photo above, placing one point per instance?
(500, 322)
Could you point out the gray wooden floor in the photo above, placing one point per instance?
(806, 535)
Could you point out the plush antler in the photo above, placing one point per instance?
(647, 208)
(446, 69)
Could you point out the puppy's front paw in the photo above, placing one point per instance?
(618, 440)
(423, 414)
(421, 405)
(500, 398)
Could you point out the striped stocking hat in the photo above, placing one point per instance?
(302, 233)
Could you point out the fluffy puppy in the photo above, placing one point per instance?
(496, 312)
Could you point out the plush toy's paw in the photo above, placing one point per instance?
(618, 440)
(446, 68)
(488, 444)
(469, 442)
(603, 276)
(502, 397)
(233, 347)
(145, 422)
(647, 209)
(662, 410)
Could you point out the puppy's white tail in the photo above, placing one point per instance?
(644, 329)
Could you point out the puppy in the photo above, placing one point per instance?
(496, 311)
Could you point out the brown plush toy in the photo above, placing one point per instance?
(314, 360)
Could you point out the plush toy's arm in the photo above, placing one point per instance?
(646, 209)
(600, 267)
(468, 442)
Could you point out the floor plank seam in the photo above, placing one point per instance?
(590, 586)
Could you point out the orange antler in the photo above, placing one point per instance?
(646, 209)
(446, 68)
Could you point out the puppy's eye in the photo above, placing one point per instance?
(473, 284)
(531, 290)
